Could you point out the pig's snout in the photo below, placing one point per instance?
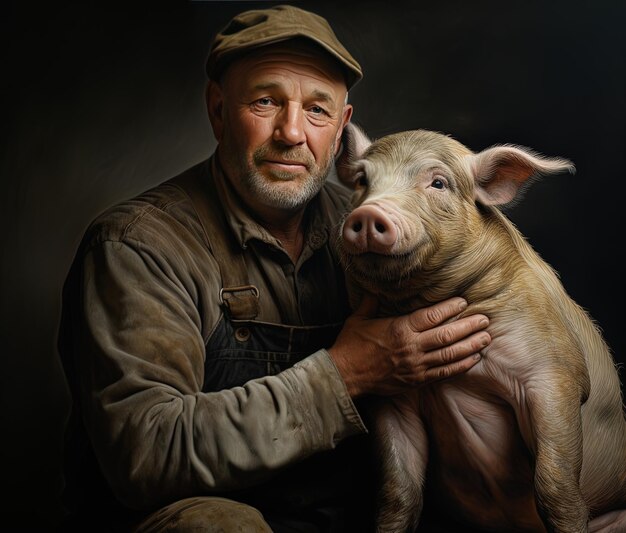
(369, 229)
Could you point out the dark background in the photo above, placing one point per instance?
(101, 102)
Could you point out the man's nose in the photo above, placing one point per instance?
(289, 127)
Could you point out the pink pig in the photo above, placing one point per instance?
(532, 438)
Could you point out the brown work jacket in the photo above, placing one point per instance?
(142, 304)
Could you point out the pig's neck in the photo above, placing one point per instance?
(482, 269)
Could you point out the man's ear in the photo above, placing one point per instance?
(215, 108)
(354, 142)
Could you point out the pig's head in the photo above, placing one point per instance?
(421, 203)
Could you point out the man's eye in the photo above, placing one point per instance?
(264, 101)
(317, 110)
(438, 184)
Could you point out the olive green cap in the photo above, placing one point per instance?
(261, 27)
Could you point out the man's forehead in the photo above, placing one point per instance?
(291, 56)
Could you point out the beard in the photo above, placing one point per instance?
(283, 189)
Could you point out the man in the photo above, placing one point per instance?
(204, 329)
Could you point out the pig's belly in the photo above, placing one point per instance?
(480, 470)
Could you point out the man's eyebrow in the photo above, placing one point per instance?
(323, 96)
(266, 85)
(317, 93)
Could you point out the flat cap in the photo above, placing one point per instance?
(260, 27)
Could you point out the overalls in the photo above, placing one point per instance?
(327, 492)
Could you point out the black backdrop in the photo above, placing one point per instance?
(101, 102)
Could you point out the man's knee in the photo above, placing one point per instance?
(206, 515)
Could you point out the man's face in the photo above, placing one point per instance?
(278, 115)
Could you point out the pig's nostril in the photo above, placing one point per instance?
(357, 226)
(380, 228)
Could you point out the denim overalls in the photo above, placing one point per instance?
(327, 492)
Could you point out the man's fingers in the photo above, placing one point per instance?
(448, 334)
(453, 353)
(455, 359)
(436, 314)
(437, 373)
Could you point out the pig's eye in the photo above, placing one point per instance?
(361, 181)
(438, 183)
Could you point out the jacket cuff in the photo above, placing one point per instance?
(325, 377)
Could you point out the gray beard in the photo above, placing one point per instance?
(275, 196)
(272, 194)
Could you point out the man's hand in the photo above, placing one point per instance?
(386, 356)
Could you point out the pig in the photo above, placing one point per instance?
(533, 437)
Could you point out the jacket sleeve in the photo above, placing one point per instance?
(140, 359)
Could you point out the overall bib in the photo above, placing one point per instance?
(327, 492)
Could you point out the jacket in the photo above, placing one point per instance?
(141, 304)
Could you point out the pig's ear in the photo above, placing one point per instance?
(501, 173)
(354, 142)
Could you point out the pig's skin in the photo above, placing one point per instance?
(533, 437)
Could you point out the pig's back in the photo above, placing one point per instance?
(603, 475)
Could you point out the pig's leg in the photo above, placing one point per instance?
(403, 448)
(553, 401)
(613, 522)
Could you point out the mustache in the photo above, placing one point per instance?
(295, 154)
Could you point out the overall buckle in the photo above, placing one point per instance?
(241, 302)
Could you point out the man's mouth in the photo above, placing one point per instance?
(286, 164)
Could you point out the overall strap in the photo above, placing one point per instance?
(238, 297)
